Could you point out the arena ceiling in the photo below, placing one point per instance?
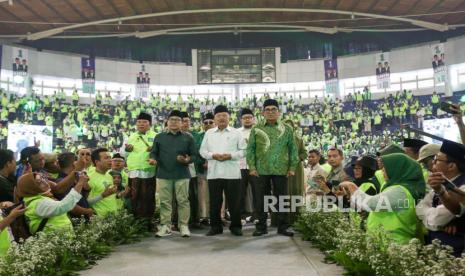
(37, 19)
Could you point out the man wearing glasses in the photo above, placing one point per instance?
(440, 209)
(272, 157)
(173, 151)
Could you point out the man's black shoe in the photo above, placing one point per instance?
(286, 233)
(258, 233)
(236, 231)
(214, 232)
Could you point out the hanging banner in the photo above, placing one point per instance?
(20, 67)
(439, 63)
(88, 75)
(383, 71)
(142, 83)
(331, 76)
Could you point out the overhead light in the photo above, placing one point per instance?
(44, 34)
(431, 26)
(10, 2)
(352, 16)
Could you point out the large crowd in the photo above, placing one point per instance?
(215, 164)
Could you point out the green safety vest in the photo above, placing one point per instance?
(4, 240)
(326, 167)
(380, 177)
(60, 222)
(434, 99)
(98, 184)
(400, 226)
(138, 158)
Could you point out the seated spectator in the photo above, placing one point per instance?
(388, 209)
(438, 210)
(44, 212)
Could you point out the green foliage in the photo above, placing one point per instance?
(58, 253)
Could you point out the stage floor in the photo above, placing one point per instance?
(224, 254)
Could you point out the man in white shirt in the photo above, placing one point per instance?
(442, 221)
(247, 121)
(223, 147)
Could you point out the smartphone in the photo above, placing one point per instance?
(76, 175)
(448, 184)
(7, 211)
(447, 107)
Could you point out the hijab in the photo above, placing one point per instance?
(404, 171)
(32, 184)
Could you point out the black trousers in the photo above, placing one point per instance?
(194, 200)
(264, 187)
(232, 190)
(247, 180)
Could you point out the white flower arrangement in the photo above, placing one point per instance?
(345, 242)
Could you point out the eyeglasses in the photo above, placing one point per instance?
(86, 153)
(271, 110)
(435, 160)
(208, 122)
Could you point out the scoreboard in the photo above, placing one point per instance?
(233, 66)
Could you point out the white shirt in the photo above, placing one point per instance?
(434, 218)
(245, 132)
(228, 140)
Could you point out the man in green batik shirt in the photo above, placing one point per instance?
(272, 157)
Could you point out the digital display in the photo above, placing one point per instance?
(21, 136)
(232, 66)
